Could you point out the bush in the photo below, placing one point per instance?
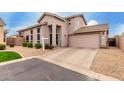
(29, 45)
(48, 46)
(2, 47)
(24, 44)
(51, 47)
(112, 42)
(11, 45)
(38, 46)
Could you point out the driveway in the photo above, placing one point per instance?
(79, 57)
(38, 70)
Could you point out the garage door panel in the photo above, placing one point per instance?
(86, 41)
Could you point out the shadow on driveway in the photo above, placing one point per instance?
(39, 70)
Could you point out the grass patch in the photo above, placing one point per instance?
(7, 56)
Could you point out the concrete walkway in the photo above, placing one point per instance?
(73, 56)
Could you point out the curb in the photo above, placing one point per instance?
(16, 60)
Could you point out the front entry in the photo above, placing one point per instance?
(58, 36)
(50, 35)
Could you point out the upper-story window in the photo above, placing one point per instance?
(31, 37)
(38, 30)
(69, 22)
(20, 33)
(38, 35)
(31, 31)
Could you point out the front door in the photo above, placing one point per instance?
(50, 34)
(58, 36)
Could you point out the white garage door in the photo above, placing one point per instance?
(86, 41)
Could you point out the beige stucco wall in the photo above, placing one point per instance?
(75, 23)
(103, 39)
(121, 42)
(64, 33)
(1, 35)
(85, 41)
(66, 29)
(28, 32)
(117, 41)
(45, 33)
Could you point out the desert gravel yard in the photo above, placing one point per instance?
(109, 62)
(27, 52)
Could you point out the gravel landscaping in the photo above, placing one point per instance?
(27, 52)
(109, 62)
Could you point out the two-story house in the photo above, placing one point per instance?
(71, 31)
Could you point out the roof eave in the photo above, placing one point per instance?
(50, 14)
(79, 15)
(2, 21)
(102, 30)
(31, 27)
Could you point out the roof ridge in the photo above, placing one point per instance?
(105, 26)
(51, 14)
(2, 21)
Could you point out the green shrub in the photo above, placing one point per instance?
(51, 47)
(24, 44)
(2, 47)
(12, 45)
(48, 46)
(38, 46)
(29, 45)
(112, 42)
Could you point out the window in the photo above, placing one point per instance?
(69, 22)
(31, 31)
(20, 33)
(38, 30)
(50, 34)
(102, 33)
(38, 38)
(31, 38)
(27, 38)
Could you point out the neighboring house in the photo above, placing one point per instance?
(69, 31)
(2, 32)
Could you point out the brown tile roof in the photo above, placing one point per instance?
(33, 26)
(77, 15)
(93, 28)
(1, 20)
(61, 18)
(51, 14)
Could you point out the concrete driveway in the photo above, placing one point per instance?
(38, 70)
(80, 57)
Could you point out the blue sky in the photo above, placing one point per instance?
(17, 20)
